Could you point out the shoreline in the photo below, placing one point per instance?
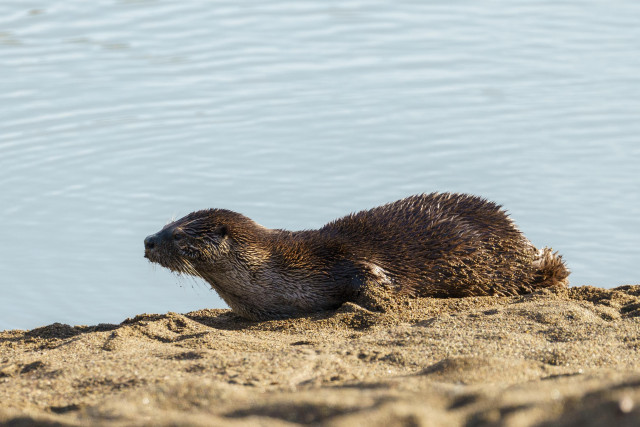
(562, 356)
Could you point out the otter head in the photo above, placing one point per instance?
(195, 244)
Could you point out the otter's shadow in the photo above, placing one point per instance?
(230, 321)
(59, 334)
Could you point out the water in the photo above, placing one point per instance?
(116, 116)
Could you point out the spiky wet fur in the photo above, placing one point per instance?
(439, 245)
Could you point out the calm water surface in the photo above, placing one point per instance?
(116, 116)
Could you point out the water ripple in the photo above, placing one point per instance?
(118, 115)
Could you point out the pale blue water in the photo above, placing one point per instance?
(116, 116)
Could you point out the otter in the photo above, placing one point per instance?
(428, 245)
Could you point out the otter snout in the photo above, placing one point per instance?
(160, 239)
(154, 241)
(150, 242)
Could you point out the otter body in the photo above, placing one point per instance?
(437, 245)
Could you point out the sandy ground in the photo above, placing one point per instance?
(561, 357)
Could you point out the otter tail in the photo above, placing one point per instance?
(551, 270)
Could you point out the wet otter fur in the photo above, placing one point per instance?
(434, 245)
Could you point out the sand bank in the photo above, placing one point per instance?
(562, 357)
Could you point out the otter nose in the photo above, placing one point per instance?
(150, 242)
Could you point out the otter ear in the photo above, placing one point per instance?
(221, 230)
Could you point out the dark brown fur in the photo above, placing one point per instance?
(438, 245)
